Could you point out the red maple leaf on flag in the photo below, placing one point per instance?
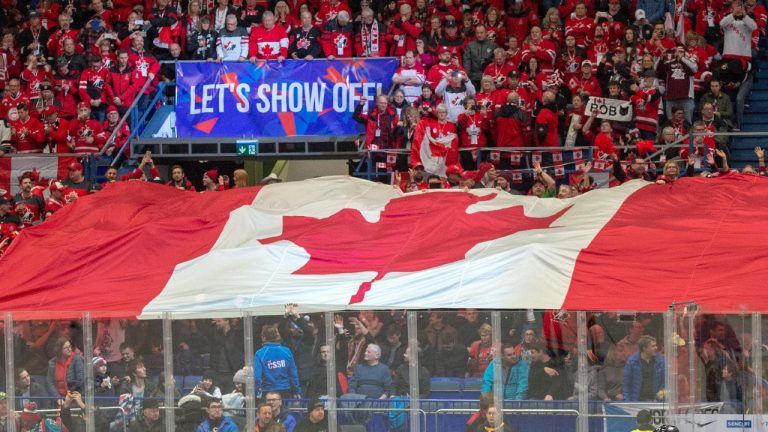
(413, 233)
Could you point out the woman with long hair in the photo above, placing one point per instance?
(494, 24)
(241, 178)
(66, 370)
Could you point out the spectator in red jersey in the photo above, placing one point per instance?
(509, 123)
(480, 353)
(145, 63)
(580, 25)
(494, 23)
(87, 133)
(55, 201)
(94, 88)
(405, 29)
(56, 131)
(380, 123)
(166, 28)
(33, 75)
(210, 183)
(121, 135)
(443, 68)
(30, 208)
(543, 50)
(56, 40)
(12, 97)
(488, 96)
(337, 37)
(646, 102)
(499, 68)
(305, 40)
(473, 125)
(75, 184)
(140, 174)
(547, 134)
(330, 10)
(65, 83)
(409, 77)
(670, 174)
(27, 134)
(124, 80)
(519, 20)
(587, 84)
(371, 36)
(637, 169)
(179, 179)
(269, 41)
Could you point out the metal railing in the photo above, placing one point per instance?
(524, 411)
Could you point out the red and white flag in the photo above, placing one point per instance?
(338, 243)
(557, 156)
(433, 148)
(495, 157)
(517, 176)
(536, 156)
(514, 158)
(391, 158)
(49, 168)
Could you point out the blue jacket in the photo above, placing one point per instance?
(654, 9)
(75, 375)
(226, 425)
(274, 369)
(516, 386)
(633, 377)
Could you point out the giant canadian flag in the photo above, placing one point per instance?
(342, 243)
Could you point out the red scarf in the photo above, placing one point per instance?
(370, 38)
(60, 376)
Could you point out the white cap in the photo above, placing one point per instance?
(639, 14)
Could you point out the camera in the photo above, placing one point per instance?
(477, 107)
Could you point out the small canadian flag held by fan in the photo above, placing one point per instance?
(536, 156)
(514, 158)
(495, 157)
(517, 176)
(557, 156)
(598, 165)
(381, 165)
(391, 158)
(559, 171)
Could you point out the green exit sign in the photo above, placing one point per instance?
(247, 148)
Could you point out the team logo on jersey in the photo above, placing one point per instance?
(25, 214)
(340, 41)
(302, 43)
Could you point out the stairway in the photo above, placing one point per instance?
(755, 120)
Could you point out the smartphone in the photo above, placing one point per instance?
(138, 22)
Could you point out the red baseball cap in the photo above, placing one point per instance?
(75, 166)
(83, 105)
(56, 186)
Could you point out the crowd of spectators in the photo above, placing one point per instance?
(537, 352)
(473, 74)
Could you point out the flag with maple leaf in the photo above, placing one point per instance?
(336, 243)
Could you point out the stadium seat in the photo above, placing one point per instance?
(473, 384)
(445, 388)
(190, 381)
